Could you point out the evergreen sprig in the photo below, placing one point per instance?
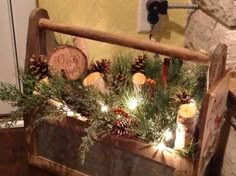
(122, 63)
(155, 112)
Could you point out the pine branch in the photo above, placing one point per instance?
(153, 68)
(122, 63)
(9, 93)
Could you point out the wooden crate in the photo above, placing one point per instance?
(54, 144)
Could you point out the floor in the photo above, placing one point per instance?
(13, 156)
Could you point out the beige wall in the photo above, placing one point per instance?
(118, 16)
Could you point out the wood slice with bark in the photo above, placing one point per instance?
(138, 80)
(186, 124)
(68, 61)
(95, 81)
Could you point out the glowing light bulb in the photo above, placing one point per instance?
(168, 135)
(104, 108)
(161, 146)
(70, 113)
(132, 103)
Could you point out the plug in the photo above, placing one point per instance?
(154, 9)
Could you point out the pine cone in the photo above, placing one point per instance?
(182, 97)
(139, 64)
(38, 66)
(102, 66)
(119, 80)
(123, 126)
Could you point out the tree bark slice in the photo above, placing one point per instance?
(96, 81)
(139, 79)
(68, 61)
(186, 124)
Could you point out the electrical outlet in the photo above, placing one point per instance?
(143, 26)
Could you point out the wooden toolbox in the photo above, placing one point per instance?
(53, 145)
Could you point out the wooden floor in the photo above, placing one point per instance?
(13, 156)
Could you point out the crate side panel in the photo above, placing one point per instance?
(61, 145)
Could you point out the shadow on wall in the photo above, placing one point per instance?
(168, 27)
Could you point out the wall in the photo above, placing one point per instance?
(212, 24)
(117, 16)
(14, 16)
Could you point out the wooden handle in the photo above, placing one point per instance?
(124, 40)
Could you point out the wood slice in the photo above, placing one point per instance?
(186, 124)
(139, 79)
(96, 81)
(68, 61)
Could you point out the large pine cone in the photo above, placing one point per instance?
(102, 66)
(38, 66)
(139, 65)
(182, 97)
(124, 126)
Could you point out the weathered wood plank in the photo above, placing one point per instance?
(39, 42)
(217, 65)
(214, 107)
(60, 144)
(13, 155)
(52, 166)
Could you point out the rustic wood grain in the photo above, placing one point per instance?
(124, 40)
(52, 166)
(96, 81)
(13, 155)
(68, 61)
(214, 117)
(39, 42)
(217, 65)
(107, 157)
(216, 73)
